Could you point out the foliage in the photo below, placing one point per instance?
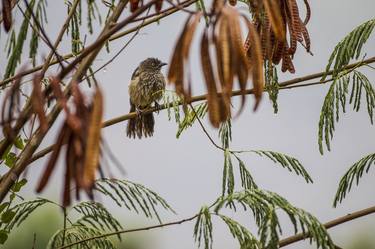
(12, 217)
(336, 100)
(77, 233)
(263, 206)
(203, 228)
(353, 175)
(349, 48)
(133, 196)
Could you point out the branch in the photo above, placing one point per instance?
(282, 243)
(330, 224)
(283, 85)
(162, 15)
(129, 231)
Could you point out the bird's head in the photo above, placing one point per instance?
(152, 64)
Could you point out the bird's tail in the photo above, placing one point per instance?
(141, 125)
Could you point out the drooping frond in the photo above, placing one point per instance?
(263, 205)
(77, 233)
(203, 228)
(349, 48)
(246, 239)
(190, 117)
(15, 55)
(228, 175)
(290, 163)
(353, 175)
(18, 213)
(133, 196)
(336, 99)
(272, 84)
(225, 133)
(172, 101)
(247, 181)
(41, 18)
(95, 215)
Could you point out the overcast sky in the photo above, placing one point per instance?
(187, 171)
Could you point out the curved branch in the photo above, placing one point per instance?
(129, 231)
(282, 243)
(330, 224)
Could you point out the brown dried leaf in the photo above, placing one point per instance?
(61, 140)
(38, 102)
(287, 64)
(176, 66)
(188, 36)
(212, 95)
(308, 12)
(306, 37)
(240, 65)
(11, 106)
(92, 152)
(158, 6)
(278, 52)
(294, 24)
(273, 11)
(134, 5)
(7, 14)
(67, 180)
(256, 62)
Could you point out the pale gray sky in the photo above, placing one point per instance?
(187, 171)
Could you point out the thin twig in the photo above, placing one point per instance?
(129, 231)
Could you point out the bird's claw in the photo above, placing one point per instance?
(157, 106)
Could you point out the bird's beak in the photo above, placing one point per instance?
(163, 64)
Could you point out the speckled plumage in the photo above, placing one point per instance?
(146, 87)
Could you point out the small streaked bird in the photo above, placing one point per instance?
(146, 87)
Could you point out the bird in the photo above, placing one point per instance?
(146, 87)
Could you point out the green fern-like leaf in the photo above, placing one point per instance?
(22, 211)
(203, 228)
(15, 56)
(336, 100)
(77, 233)
(133, 196)
(349, 48)
(97, 216)
(228, 175)
(41, 18)
(272, 84)
(264, 205)
(287, 162)
(246, 239)
(247, 181)
(225, 133)
(353, 175)
(190, 117)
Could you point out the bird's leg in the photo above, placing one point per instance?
(157, 106)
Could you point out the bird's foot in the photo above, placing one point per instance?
(139, 111)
